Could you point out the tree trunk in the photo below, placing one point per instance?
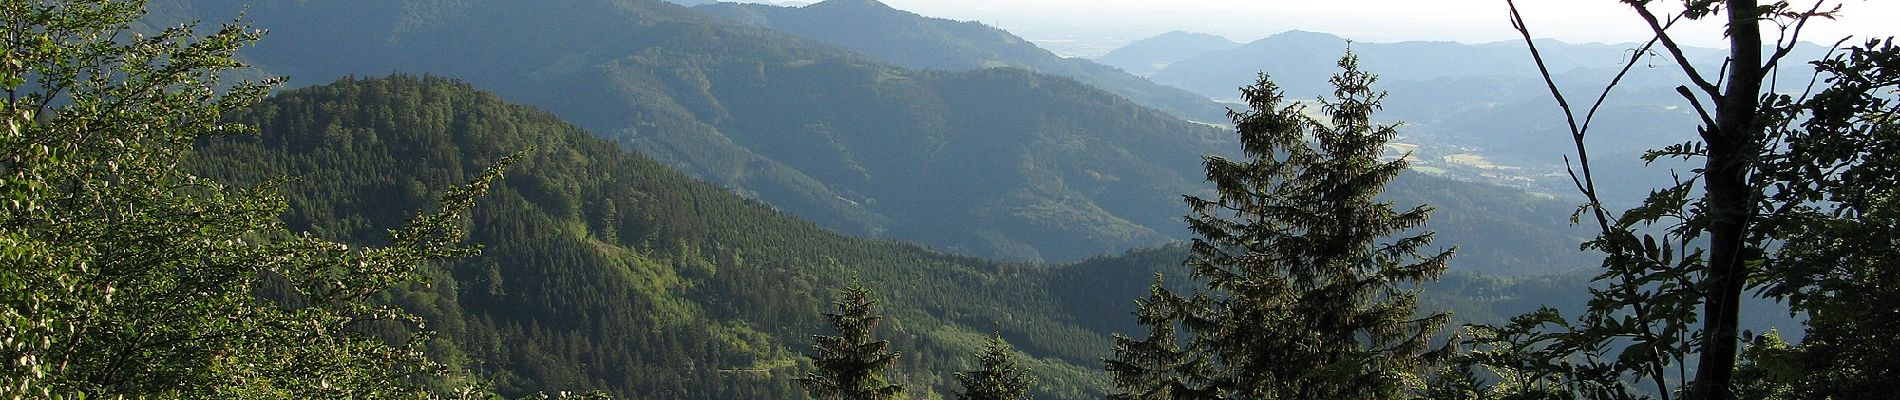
(1732, 144)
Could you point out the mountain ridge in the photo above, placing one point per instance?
(1146, 56)
(723, 101)
(915, 41)
(997, 162)
(603, 270)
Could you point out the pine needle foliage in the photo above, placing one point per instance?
(854, 364)
(1305, 297)
(998, 375)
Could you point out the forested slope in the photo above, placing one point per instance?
(915, 41)
(999, 163)
(605, 270)
(816, 130)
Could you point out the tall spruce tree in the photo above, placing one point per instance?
(1304, 298)
(998, 376)
(853, 365)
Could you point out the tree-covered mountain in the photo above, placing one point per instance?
(602, 269)
(915, 41)
(1147, 56)
(996, 162)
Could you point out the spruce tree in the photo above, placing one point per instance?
(1304, 298)
(1155, 367)
(853, 365)
(998, 376)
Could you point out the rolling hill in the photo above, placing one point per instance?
(1147, 56)
(604, 270)
(918, 42)
(997, 162)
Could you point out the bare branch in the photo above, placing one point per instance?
(1577, 132)
(1793, 35)
(1635, 57)
(1675, 50)
(1697, 103)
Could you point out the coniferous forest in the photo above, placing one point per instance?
(939, 210)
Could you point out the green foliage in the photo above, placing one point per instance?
(854, 364)
(126, 275)
(700, 294)
(998, 375)
(1155, 367)
(1304, 300)
(1791, 201)
(1836, 207)
(1098, 290)
(998, 162)
(604, 270)
(1769, 369)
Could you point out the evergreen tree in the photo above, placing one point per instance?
(1154, 368)
(998, 377)
(853, 365)
(1303, 298)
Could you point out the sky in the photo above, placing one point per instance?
(1092, 27)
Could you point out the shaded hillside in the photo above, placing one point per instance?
(602, 269)
(1147, 56)
(996, 163)
(811, 129)
(914, 41)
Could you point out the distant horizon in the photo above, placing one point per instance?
(1090, 28)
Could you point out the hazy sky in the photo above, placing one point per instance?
(1079, 27)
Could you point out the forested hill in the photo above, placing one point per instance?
(1146, 56)
(1001, 163)
(916, 41)
(605, 270)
